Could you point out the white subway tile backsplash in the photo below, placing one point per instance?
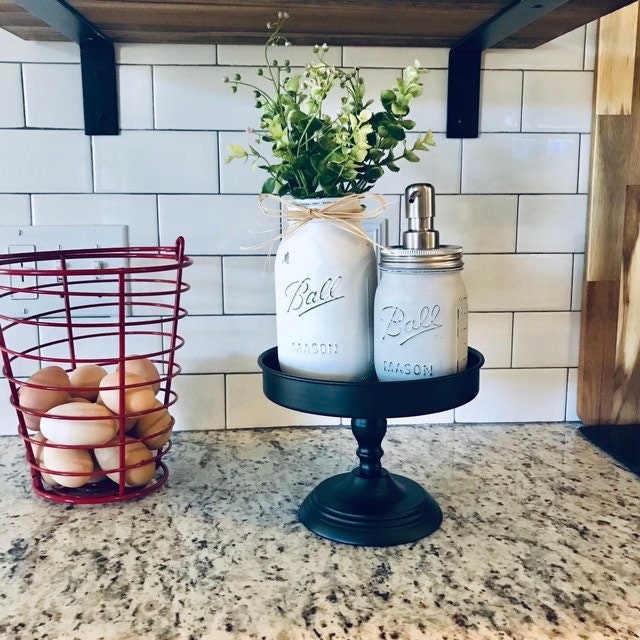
(11, 104)
(248, 284)
(517, 395)
(200, 402)
(518, 282)
(156, 162)
(490, 333)
(204, 277)
(217, 224)
(21, 338)
(197, 98)
(399, 57)
(590, 46)
(253, 55)
(8, 417)
(240, 176)
(565, 52)
(585, 163)
(572, 396)
(219, 344)
(53, 96)
(481, 224)
(546, 339)
(440, 166)
(138, 53)
(500, 100)
(248, 407)
(552, 223)
(578, 282)
(14, 49)
(138, 212)
(443, 417)
(44, 161)
(429, 110)
(15, 209)
(135, 97)
(520, 163)
(557, 101)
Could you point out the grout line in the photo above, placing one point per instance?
(521, 101)
(24, 97)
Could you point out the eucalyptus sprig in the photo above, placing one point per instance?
(317, 155)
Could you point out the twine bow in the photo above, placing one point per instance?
(346, 212)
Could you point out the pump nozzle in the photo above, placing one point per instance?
(420, 210)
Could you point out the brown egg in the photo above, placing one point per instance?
(43, 399)
(98, 424)
(37, 454)
(151, 423)
(129, 423)
(135, 452)
(135, 399)
(70, 461)
(85, 381)
(144, 368)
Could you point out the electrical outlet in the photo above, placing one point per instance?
(23, 239)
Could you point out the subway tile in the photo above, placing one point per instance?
(546, 339)
(400, 57)
(156, 162)
(557, 101)
(391, 214)
(549, 224)
(248, 407)
(500, 100)
(578, 282)
(248, 284)
(517, 395)
(15, 209)
(590, 46)
(217, 224)
(138, 53)
(490, 333)
(219, 344)
(44, 161)
(138, 212)
(53, 96)
(481, 224)
(253, 55)
(204, 277)
(520, 163)
(135, 97)
(200, 404)
(240, 176)
(565, 52)
(197, 98)
(532, 282)
(443, 417)
(585, 163)
(11, 105)
(14, 49)
(572, 397)
(20, 338)
(440, 166)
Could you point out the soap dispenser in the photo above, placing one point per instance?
(420, 308)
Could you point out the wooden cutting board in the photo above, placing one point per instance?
(609, 368)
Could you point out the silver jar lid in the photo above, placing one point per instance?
(446, 257)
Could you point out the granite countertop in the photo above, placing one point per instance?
(540, 539)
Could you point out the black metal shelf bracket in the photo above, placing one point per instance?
(465, 59)
(97, 60)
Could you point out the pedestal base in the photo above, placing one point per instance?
(376, 512)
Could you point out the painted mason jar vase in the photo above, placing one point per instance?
(325, 278)
(420, 313)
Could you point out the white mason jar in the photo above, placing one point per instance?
(325, 280)
(420, 314)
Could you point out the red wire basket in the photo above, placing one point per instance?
(94, 415)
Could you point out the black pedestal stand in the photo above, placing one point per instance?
(370, 506)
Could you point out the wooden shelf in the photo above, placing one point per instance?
(416, 23)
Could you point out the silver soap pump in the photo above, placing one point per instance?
(420, 308)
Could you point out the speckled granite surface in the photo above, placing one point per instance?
(541, 539)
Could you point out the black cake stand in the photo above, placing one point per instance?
(370, 506)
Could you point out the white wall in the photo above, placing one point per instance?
(515, 199)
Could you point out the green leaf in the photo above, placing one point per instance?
(269, 185)
(410, 156)
(393, 167)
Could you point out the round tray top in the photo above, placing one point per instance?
(371, 398)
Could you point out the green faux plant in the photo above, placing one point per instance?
(316, 155)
